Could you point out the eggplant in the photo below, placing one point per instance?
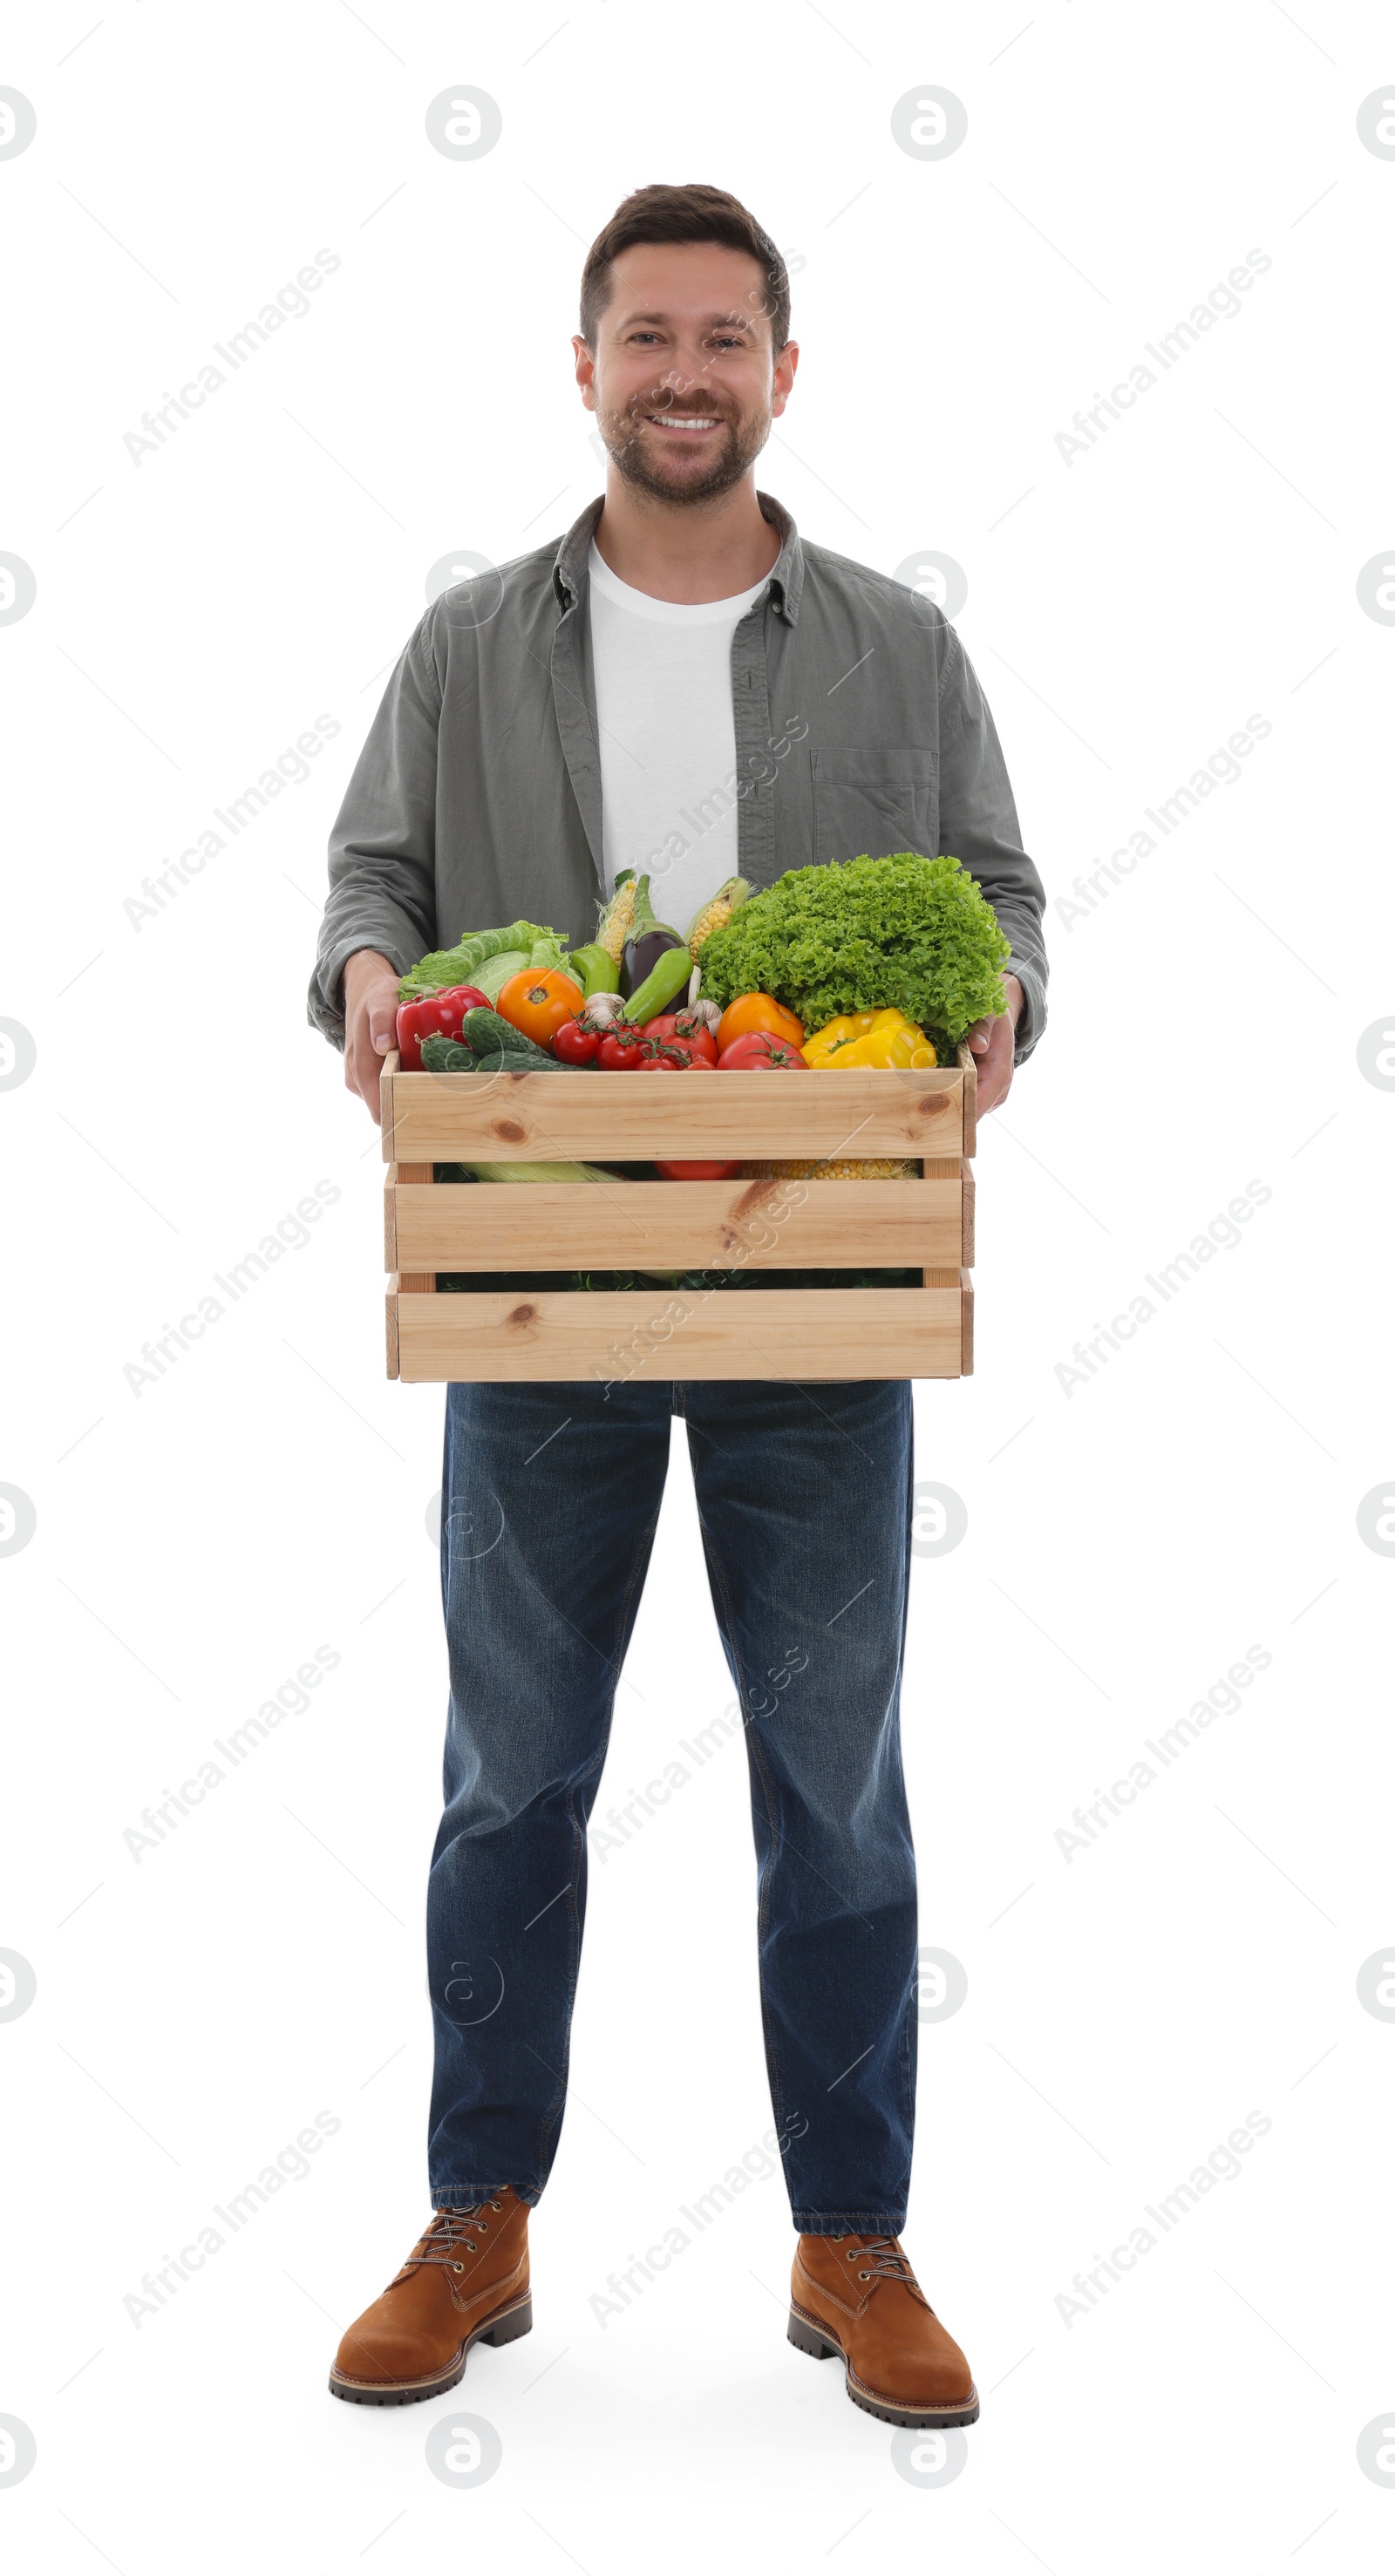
(648, 941)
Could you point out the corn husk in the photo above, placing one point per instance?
(613, 928)
(717, 912)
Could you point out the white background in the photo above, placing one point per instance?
(1127, 1541)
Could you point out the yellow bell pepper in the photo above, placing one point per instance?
(869, 1038)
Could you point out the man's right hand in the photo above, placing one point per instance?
(370, 1022)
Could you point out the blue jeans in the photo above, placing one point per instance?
(550, 1499)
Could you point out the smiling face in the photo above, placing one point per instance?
(684, 380)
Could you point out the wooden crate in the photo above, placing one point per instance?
(654, 1331)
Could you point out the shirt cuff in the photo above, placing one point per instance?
(325, 1000)
(1033, 1020)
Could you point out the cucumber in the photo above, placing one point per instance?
(495, 1042)
(446, 1055)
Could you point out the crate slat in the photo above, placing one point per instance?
(422, 1276)
(624, 1117)
(789, 1334)
(675, 1225)
(968, 1066)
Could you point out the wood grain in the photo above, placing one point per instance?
(968, 1065)
(792, 1335)
(386, 1078)
(677, 1225)
(955, 1174)
(420, 1177)
(620, 1117)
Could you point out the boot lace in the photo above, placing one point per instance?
(451, 2233)
(884, 2261)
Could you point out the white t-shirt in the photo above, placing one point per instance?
(667, 738)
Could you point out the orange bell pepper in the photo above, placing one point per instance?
(752, 1012)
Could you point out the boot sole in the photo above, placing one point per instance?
(505, 2326)
(807, 2335)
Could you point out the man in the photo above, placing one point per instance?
(681, 686)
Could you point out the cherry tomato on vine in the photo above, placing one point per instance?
(573, 1044)
(675, 1026)
(624, 1050)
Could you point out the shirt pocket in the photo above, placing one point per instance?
(875, 801)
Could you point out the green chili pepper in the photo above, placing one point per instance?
(594, 968)
(664, 982)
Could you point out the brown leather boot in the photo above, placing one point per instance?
(857, 2295)
(465, 2281)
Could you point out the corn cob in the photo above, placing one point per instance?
(835, 1168)
(716, 914)
(613, 928)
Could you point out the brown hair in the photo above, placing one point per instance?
(689, 214)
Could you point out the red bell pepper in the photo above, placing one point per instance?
(696, 1171)
(435, 1015)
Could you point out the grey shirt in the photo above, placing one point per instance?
(860, 726)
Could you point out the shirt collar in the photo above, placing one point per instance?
(569, 575)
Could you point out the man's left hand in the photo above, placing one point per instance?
(992, 1043)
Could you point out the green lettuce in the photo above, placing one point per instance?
(906, 933)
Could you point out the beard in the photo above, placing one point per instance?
(736, 450)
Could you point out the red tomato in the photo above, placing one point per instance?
(673, 1026)
(697, 1171)
(572, 1044)
(623, 1051)
(752, 1011)
(681, 1055)
(758, 1051)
